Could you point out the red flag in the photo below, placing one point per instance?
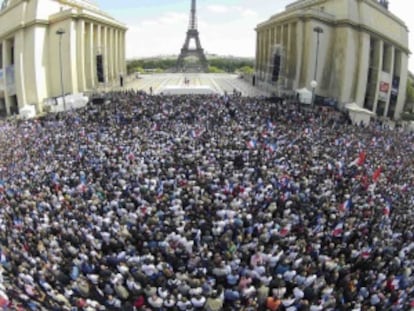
(362, 157)
(285, 230)
(376, 174)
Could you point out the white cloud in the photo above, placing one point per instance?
(218, 8)
(173, 18)
(248, 13)
(147, 23)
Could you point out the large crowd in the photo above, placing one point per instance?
(204, 202)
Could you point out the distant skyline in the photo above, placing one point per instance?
(158, 27)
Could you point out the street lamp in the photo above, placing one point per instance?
(60, 32)
(314, 83)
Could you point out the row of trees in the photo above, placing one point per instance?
(217, 64)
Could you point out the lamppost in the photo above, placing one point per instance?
(60, 32)
(313, 85)
(314, 82)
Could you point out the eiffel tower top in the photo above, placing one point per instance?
(193, 17)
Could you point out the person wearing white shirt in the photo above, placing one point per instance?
(198, 301)
(183, 304)
(169, 302)
(149, 269)
(155, 302)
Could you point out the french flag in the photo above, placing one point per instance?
(251, 144)
(155, 127)
(361, 158)
(270, 125)
(195, 133)
(338, 230)
(346, 206)
(265, 134)
(377, 174)
(387, 209)
(160, 189)
(18, 223)
(329, 167)
(228, 188)
(131, 156)
(285, 230)
(366, 252)
(271, 147)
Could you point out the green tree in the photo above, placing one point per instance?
(221, 63)
(214, 69)
(138, 69)
(248, 70)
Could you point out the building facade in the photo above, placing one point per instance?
(349, 50)
(54, 47)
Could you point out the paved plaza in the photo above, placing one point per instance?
(197, 83)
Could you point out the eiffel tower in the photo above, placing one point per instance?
(198, 52)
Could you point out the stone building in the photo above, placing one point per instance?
(54, 47)
(350, 50)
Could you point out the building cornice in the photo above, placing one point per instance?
(323, 18)
(45, 23)
(76, 15)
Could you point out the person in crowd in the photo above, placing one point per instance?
(204, 202)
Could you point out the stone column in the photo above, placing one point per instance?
(19, 70)
(363, 67)
(122, 66)
(81, 57)
(90, 57)
(6, 62)
(392, 58)
(116, 51)
(105, 57)
(112, 73)
(262, 55)
(288, 51)
(299, 52)
(380, 48)
(403, 85)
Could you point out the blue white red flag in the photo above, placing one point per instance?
(251, 144)
(285, 230)
(346, 206)
(338, 230)
(387, 209)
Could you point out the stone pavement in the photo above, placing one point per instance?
(218, 83)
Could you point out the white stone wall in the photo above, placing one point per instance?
(36, 48)
(344, 48)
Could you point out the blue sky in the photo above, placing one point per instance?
(158, 27)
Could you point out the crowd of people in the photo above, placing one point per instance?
(204, 202)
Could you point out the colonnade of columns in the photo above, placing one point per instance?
(104, 40)
(387, 64)
(8, 68)
(283, 35)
